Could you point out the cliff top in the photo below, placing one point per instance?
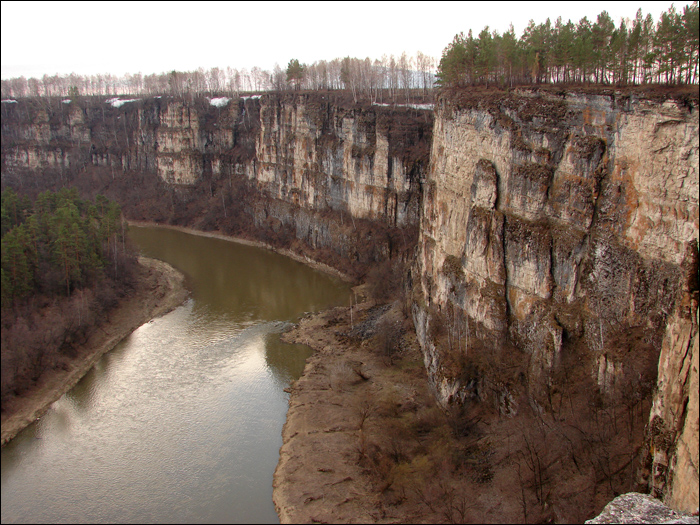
(473, 96)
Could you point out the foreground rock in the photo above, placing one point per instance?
(640, 508)
(161, 290)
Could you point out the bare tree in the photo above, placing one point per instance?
(214, 79)
(406, 74)
(334, 74)
(279, 78)
(393, 76)
(19, 86)
(425, 65)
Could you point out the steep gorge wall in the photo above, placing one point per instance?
(323, 165)
(560, 232)
(174, 138)
(325, 171)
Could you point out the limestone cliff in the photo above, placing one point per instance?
(560, 232)
(316, 156)
(305, 156)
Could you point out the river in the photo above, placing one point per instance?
(182, 421)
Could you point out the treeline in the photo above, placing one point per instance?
(365, 76)
(57, 243)
(639, 51)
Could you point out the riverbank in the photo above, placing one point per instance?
(161, 290)
(364, 441)
(317, 265)
(363, 432)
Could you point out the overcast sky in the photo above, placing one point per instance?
(120, 37)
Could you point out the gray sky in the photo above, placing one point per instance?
(120, 37)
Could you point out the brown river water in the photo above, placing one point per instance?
(182, 422)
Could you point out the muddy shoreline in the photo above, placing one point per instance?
(160, 290)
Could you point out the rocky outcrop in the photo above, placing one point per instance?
(564, 225)
(341, 176)
(640, 508)
(671, 456)
(321, 156)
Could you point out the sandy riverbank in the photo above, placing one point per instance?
(161, 290)
(348, 408)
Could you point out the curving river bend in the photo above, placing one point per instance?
(182, 421)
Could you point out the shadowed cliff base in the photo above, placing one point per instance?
(365, 440)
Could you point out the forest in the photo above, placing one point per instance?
(65, 263)
(638, 51)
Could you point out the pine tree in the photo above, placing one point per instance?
(691, 36)
(636, 52)
(17, 262)
(295, 73)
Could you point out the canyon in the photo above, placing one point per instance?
(546, 240)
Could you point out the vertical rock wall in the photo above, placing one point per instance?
(320, 156)
(318, 163)
(565, 224)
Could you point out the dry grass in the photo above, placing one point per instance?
(413, 462)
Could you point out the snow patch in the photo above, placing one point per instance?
(219, 102)
(117, 103)
(8, 101)
(251, 97)
(67, 101)
(414, 106)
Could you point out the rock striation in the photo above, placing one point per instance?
(305, 156)
(566, 224)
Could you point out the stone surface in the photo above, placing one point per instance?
(640, 508)
(560, 222)
(306, 154)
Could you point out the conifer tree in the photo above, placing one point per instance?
(295, 73)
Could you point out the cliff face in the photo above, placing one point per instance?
(159, 135)
(305, 156)
(321, 156)
(562, 232)
(323, 165)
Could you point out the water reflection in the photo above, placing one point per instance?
(182, 422)
(244, 281)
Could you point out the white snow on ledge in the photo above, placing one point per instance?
(414, 106)
(219, 102)
(116, 102)
(251, 97)
(8, 101)
(67, 101)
